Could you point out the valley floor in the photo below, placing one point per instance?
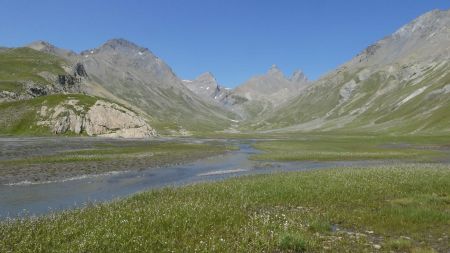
(392, 207)
(400, 209)
(44, 159)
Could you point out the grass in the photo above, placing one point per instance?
(24, 64)
(390, 208)
(336, 146)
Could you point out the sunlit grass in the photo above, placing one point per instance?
(334, 210)
(334, 148)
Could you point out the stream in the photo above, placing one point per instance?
(37, 199)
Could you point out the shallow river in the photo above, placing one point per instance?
(38, 199)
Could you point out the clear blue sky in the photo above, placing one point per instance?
(234, 39)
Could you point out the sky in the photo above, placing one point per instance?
(233, 39)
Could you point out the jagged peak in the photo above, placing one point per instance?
(298, 76)
(206, 76)
(275, 71)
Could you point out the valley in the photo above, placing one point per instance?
(107, 149)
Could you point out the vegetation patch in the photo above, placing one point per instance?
(336, 147)
(370, 209)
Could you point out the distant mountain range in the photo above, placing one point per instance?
(399, 84)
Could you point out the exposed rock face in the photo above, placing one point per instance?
(105, 118)
(207, 87)
(80, 70)
(101, 119)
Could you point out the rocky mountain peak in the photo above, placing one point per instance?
(120, 43)
(120, 46)
(411, 42)
(298, 76)
(425, 24)
(207, 77)
(275, 71)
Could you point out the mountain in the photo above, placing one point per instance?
(400, 84)
(207, 87)
(26, 73)
(43, 46)
(273, 86)
(41, 93)
(261, 94)
(122, 71)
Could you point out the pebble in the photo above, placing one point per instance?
(376, 246)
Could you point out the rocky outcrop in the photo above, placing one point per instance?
(100, 119)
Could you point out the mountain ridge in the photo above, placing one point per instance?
(377, 89)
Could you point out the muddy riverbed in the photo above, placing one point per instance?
(25, 197)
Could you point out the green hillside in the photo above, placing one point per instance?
(20, 65)
(383, 102)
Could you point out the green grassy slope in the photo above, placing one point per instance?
(375, 105)
(399, 209)
(23, 64)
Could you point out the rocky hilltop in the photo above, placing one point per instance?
(100, 119)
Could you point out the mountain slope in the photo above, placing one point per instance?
(399, 84)
(273, 86)
(124, 72)
(261, 94)
(207, 87)
(136, 75)
(26, 73)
